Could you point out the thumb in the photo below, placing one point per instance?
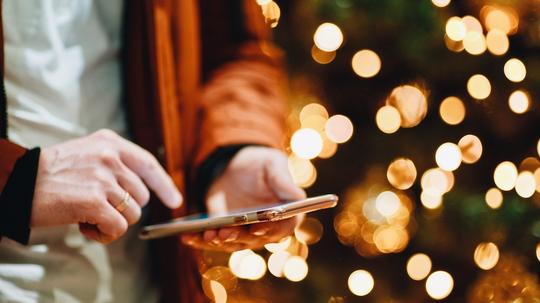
(280, 181)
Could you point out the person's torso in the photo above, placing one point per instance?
(63, 81)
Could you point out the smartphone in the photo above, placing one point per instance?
(201, 222)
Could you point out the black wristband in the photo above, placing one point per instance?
(17, 196)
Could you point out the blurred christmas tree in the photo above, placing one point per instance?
(440, 182)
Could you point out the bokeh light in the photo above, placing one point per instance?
(519, 101)
(271, 12)
(504, 19)
(366, 63)
(471, 148)
(452, 110)
(302, 171)
(440, 3)
(514, 70)
(329, 148)
(313, 109)
(282, 245)
(455, 28)
(479, 87)
(494, 198)
(387, 203)
(328, 37)
(474, 43)
(309, 231)
(388, 119)
(315, 122)
(431, 200)
(219, 293)
(525, 184)
(321, 56)
(437, 182)
(537, 179)
(529, 164)
(418, 266)
(497, 42)
(455, 46)
(472, 24)
(439, 285)
(246, 264)
(216, 281)
(505, 175)
(339, 129)
(276, 263)
(361, 282)
(401, 173)
(295, 269)
(306, 143)
(538, 251)
(411, 102)
(486, 255)
(448, 156)
(390, 238)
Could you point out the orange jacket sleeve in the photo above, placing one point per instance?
(243, 96)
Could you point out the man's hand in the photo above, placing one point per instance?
(256, 176)
(85, 181)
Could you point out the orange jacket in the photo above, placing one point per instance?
(199, 74)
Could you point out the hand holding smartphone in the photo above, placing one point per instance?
(202, 222)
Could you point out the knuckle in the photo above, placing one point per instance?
(106, 134)
(96, 197)
(110, 158)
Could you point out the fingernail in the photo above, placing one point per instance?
(177, 199)
(232, 237)
(260, 232)
(216, 241)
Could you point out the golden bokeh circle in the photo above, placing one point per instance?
(411, 102)
(479, 87)
(486, 255)
(471, 148)
(401, 173)
(452, 110)
(388, 119)
(366, 63)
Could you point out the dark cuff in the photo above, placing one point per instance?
(16, 198)
(211, 169)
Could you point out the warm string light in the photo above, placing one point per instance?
(479, 87)
(411, 103)
(366, 63)
(440, 3)
(514, 70)
(318, 135)
(270, 11)
(361, 282)
(439, 285)
(471, 148)
(419, 266)
(486, 255)
(505, 175)
(494, 198)
(519, 101)
(401, 173)
(452, 110)
(328, 37)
